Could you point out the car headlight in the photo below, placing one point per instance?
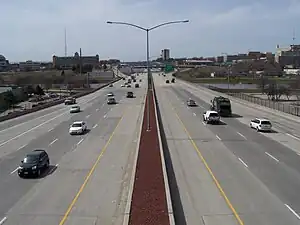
(34, 167)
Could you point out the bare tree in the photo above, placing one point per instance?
(263, 84)
(295, 86)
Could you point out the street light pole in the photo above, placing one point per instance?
(228, 71)
(149, 76)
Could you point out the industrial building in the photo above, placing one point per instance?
(288, 56)
(68, 62)
(165, 54)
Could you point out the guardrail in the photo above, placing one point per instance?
(50, 104)
(283, 107)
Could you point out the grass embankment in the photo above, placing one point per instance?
(243, 80)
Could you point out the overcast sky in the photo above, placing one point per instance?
(34, 29)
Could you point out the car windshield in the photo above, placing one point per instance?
(192, 101)
(75, 107)
(266, 122)
(31, 159)
(76, 125)
(214, 114)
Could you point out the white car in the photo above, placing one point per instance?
(261, 124)
(123, 85)
(78, 127)
(110, 94)
(211, 117)
(75, 109)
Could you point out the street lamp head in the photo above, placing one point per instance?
(185, 21)
(109, 22)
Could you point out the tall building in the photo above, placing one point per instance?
(288, 56)
(165, 54)
(70, 61)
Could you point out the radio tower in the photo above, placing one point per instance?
(66, 43)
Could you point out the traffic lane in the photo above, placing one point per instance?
(195, 196)
(26, 135)
(268, 143)
(107, 202)
(26, 120)
(57, 144)
(242, 108)
(248, 194)
(72, 170)
(59, 135)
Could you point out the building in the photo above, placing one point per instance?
(4, 64)
(29, 66)
(165, 54)
(288, 56)
(68, 62)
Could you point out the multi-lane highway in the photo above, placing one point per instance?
(88, 179)
(229, 173)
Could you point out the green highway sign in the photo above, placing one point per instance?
(169, 68)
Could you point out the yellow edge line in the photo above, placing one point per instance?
(210, 172)
(90, 174)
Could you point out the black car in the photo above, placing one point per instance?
(173, 80)
(34, 163)
(167, 81)
(136, 85)
(129, 94)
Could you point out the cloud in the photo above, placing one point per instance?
(35, 29)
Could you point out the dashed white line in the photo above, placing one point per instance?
(87, 116)
(52, 142)
(97, 110)
(243, 162)
(194, 114)
(21, 147)
(204, 123)
(50, 129)
(105, 116)
(241, 135)
(3, 220)
(15, 170)
(95, 125)
(293, 211)
(268, 154)
(293, 136)
(80, 141)
(218, 138)
(201, 107)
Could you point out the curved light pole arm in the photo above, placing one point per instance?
(168, 23)
(128, 24)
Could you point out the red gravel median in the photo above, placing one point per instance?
(149, 203)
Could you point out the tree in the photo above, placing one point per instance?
(29, 90)
(263, 84)
(10, 99)
(295, 86)
(105, 67)
(48, 83)
(39, 90)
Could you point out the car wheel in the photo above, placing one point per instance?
(47, 164)
(21, 175)
(38, 174)
(251, 125)
(257, 129)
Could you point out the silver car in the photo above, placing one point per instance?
(75, 109)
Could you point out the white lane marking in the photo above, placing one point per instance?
(3, 220)
(293, 136)
(87, 116)
(243, 162)
(268, 154)
(241, 135)
(293, 211)
(97, 110)
(105, 116)
(218, 138)
(95, 125)
(298, 153)
(201, 107)
(80, 141)
(15, 170)
(194, 114)
(19, 135)
(50, 129)
(204, 123)
(52, 142)
(21, 147)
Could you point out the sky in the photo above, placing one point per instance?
(34, 29)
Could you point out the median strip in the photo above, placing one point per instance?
(149, 203)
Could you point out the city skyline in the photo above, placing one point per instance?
(214, 27)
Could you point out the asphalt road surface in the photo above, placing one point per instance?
(229, 173)
(88, 180)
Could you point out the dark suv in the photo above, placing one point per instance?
(34, 163)
(129, 94)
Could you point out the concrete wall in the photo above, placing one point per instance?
(104, 75)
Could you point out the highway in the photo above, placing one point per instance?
(88, 180)
(229, 173)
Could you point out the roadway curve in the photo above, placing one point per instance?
(104, 156)
(229, 173)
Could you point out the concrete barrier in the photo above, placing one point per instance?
(50, 104)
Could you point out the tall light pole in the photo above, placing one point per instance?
(148, 55)
(228, 71)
